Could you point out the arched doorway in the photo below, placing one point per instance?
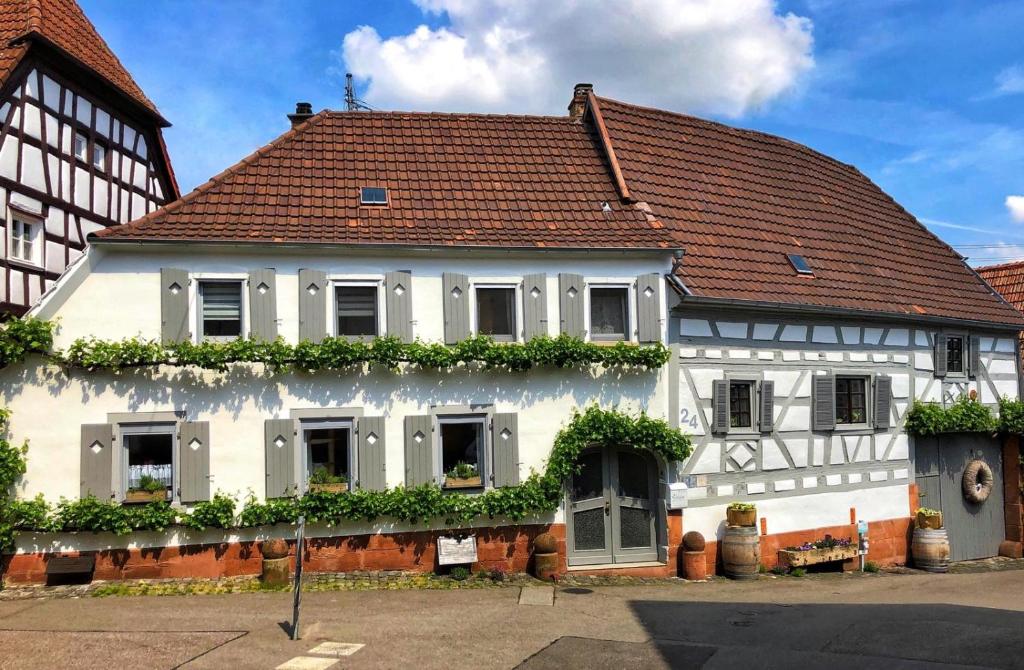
(611, 511)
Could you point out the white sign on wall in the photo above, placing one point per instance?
(455, 551)
(676, 495)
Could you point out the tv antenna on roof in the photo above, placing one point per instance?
(352, 103)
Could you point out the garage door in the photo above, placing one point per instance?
(975, 529)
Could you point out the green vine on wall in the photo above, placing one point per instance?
(21, 337)
(966, 415)
(539, 493)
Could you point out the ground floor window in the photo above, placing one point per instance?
(149, 459)
(328, 455)
(462, 451)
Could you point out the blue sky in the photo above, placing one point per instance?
(924, 97)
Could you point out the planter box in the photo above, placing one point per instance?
(467, 483)
(137, 497)
(933, 521)
(795, 559)
(334, 487)
(741, 517)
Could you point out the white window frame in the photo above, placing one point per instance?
(627, 283)
(195, 313)
(308, 424)
(38, 237)
(498, 282)
(869, 396)
(377, 282)
(484, 419)
(125, 429)
(102, 164)
(84, 156)
(375, 203)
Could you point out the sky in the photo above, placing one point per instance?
(926, 98)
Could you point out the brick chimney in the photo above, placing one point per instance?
(578, 105)
(303, 110)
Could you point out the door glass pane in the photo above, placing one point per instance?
(588, 529)
(633, 475)
(588, 483)
(636, 527)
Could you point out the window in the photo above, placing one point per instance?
(496, 313)
(955, 354)
(851, 400)
(369, 195)
(800, 264)
(328, 448)
(99, 156)
(220, 309)
(82, 147)
(149, 462)
(356, 307)
(462, 451)
(609, 313)
(741, 414)
(25, 243)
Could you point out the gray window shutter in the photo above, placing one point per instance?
(372, 475)
(570, 304)
(720, 405)
(97, 460)
(940, 355)
(883, 401)
(194, 461)
(313, 290)
(419, 450)
(766, 412)
(280, 450)
(975, 356)
(263, 304)
(398, 302)
(648, 307)
(505, 441)
(823, 392)
(456, 306)
(535, 306)
(173, 306)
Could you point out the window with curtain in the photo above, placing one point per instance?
(496, 312)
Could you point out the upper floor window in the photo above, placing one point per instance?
(741, 406)
(496, 312)
(99, 156)
(370, 195)
(357, 310)
(82, 147)
(462, 450)
(25, 241)
(220, 309)
(955, 354)
(609, 313)
(851, 400)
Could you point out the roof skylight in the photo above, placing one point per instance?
(372, 195)
(799, 264)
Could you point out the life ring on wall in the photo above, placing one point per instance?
(978, 480)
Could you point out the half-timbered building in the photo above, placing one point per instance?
(80, 145)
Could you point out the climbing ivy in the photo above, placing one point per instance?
(537, 494)
(12, 467)
(966, 415)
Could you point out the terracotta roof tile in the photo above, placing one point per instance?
(1008, 280)
(738, 201)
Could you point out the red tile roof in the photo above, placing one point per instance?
(739, 201)
(452, 179)
(62, 24)
(1008, 280)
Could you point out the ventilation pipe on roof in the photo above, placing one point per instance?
(303, 110)
(578, 105)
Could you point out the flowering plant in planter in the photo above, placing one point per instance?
(149, 489)
(825, 550)
(322, 480)
(741, 514)
(463, 475)
(828, 542)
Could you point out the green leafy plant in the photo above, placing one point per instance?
(12, 467)
(927, 511)
(966, 415)
(1011, 416)
(322, 475)
(150, 484)
(459, 573)
(742, 506)
(216, 513)
(871, 566)
(797, 572)
(462, 471)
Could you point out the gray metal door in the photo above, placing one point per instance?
(975, 529)
(611, 508)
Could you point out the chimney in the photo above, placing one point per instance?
(579, 100)
(303, 110)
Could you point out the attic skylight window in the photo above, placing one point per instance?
(370, 195)
(800, 264)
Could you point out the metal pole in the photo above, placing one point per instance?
(297, 591)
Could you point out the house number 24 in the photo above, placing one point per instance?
(688, 419)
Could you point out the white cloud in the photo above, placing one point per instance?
(1015, 205)
(1010, 81)
(715, 56)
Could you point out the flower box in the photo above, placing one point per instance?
(798, 558)
(463, 482)
(140, 496)
(332, 487)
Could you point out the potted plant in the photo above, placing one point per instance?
(149, 489)
(741, 514)
(929, 518)
(462, 476)
(820, 551)
(322, 481)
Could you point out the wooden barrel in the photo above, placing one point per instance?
(930, 549)
(741, 552)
